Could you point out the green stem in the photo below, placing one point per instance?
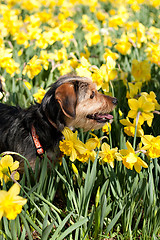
(110, 137)
(135, 134)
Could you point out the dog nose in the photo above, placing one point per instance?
(115, 101)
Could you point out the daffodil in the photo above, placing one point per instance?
(100, 76)
(153, 50)
(8, 167)
(106, 128)
(71, 145)
(123, 45)
(130, 159)
(44, 57)
(39, 95)
(135, 6)
(28, 85)
(7, 62)
(151, 97)
(33, 67)
(115, 21)
(108, 52)
(129, 128)
(90, 146)
(65, 67)
(60, 55)
(75, 170)
(110, 64)
(21, 38)
(142, 106)
(68, 25)
(141, 71)
(92, 38)
(151, 145)
(134, 89)
(140, 34)
(10, 203)
(83, 68)
(108, 154)
(86, 54)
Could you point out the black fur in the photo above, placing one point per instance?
(16, 123)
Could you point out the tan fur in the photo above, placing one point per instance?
(100, 103)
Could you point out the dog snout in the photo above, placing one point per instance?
(115, 101)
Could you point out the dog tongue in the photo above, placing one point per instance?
(104, 116)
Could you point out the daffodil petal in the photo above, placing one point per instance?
(1, 213)
(137, 167)
(14, 190)
(6, 161)
(73, 155)
(129, 147)
(14, 166)
(132, 114)
(148, 106)
(133, 104)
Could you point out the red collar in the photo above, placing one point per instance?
(39, 148)
(37, 143)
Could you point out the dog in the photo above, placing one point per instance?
(71, 101)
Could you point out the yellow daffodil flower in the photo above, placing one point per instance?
(130, 158)
(7, 62)
(92, 38)
(39, 95)
(90, 145)
(83, 68)
(65, 67)
(86, 54)
(144, 107)
(75, 170)
(141, 71)
(134, 89)
(108, 154)
(123, 45)
(100, 76)
(108, 52)
(10, 203)
(151, 145)
(71, 145)
(151, 97)
(33, 67)
(44, 57)
(106, 128)
(129, 128)
(153, 50)
(68, 25)
(28, 85)
(8, 167)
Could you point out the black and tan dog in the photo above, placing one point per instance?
(71, 101)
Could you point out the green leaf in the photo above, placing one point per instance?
(72, 228)
(46, 232)
(62, 224)
(114, 221)
(13, 230)
(26, 226)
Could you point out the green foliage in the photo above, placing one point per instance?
(100, 202)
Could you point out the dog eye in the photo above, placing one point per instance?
(92, 95)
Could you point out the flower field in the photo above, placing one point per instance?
(107, 184)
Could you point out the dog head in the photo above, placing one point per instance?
(74, 102)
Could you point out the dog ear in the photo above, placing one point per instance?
(66, 96)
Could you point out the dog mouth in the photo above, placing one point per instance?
(100, 117)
